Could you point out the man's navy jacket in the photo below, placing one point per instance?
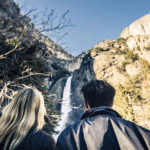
(102, 128)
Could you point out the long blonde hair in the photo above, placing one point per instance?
(20, 115)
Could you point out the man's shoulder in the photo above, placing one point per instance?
(103, 120)
(128, 127)
(74, 127)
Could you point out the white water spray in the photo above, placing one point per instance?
(65, 108)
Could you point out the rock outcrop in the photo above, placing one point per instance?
(80, 76)
(139, 27)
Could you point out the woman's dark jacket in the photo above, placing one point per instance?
(35, 141)
(102, 128)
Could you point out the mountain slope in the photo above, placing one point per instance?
(124, 63)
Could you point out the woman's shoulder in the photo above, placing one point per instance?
(38, 140)
(41, 136)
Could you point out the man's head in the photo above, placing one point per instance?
(98, 93)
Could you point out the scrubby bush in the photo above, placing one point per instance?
(123, 104)
(130, 55)
(121, 40)
(98, 49)
(126, 95)
(147, 47)
(145, 66)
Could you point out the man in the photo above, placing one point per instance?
(100, 127)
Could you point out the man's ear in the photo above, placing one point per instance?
(87, 106)
(86, 103)
(111, 105)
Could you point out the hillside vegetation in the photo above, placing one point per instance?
(129, 71)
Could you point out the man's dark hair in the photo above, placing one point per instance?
(98, 93)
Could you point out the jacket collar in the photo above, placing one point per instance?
(103, 110)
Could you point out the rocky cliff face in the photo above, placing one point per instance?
(139, 27)
(30, 58)
(128, 71)
(124, 63)
(80, 76)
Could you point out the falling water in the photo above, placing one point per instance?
(65, 108)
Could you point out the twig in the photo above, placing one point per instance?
(3, 55)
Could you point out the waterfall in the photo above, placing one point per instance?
(65, 108)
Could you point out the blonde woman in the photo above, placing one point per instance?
(21, 123)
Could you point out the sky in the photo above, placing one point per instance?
(93, 20)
